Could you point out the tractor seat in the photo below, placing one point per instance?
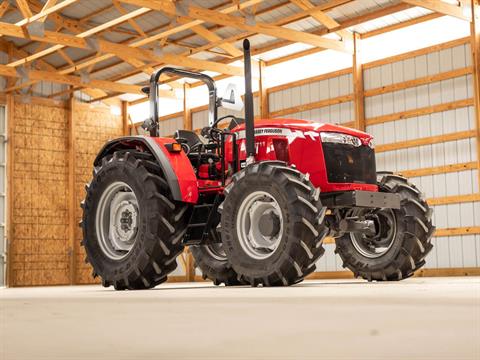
(191, 137)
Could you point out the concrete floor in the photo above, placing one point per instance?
(422, 318)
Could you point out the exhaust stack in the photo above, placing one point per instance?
(249, 125)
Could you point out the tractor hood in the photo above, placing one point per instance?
(304, 126)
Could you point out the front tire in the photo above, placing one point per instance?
(404, 238)
(132, 229)
(272, 224)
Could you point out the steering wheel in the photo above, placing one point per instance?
(213, 132)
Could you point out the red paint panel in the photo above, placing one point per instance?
(182, 167)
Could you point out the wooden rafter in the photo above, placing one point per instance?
(211, 36)
(48, 5)
(77, 27)
(323, 18)
(62, 40)
(193, 51)
(221, 18)
(43, 65)
(132, 22)
(4, 7)
(24, 8)
(442, 8)
(77, 81)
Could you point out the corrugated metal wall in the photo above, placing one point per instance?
(452, 251)
(449, 251)
(408, 112)
(326, 89)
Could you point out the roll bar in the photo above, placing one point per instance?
(152, 124)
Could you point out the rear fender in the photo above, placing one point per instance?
(176, 167)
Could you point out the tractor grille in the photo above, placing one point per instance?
(349, 164)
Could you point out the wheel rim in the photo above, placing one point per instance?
(386, 231)
(117, 220)
(216, 251)
(251, 231)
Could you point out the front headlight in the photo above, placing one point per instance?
(331, 137)
(371, 143)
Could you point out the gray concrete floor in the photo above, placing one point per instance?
(422, 318)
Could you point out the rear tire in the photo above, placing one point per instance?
(294, 244)
(213, 262)
(410, 242)
(158, 233)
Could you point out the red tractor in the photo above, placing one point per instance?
(254, 201)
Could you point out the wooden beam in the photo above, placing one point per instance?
(48, 5)
(456, 199)
(441, 272)
(45, 12)
(125, 121)
(10, 184)
(72, 202)
(109, 48)
(457, 231)
(211, 36)
(262, 92)
(358, 90)
(43, 65)
(266, 29)
(441, 7)
(187, 111)
(415, 53)
(322, 18)
(75, 80)
(475, 48)
(309, 80)
(4, 7)
(420, 111)
(401, 25)
(426, 141)
(61, 39)
(24, 8)
(419, 81)
(132, 22)
(295, 17)
(439, 169)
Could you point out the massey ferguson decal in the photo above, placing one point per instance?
(288, 133)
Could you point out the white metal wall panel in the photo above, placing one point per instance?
(452, 251)
(332, 114)
(317, 91)
(308, 93)
(200, 118)
(168, 127)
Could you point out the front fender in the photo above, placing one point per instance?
(176, 167)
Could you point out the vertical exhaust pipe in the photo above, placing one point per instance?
(249, 126)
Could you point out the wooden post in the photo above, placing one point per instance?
(475, 47)
(190, 266)
(262, 92)
(187, 112)
(72, 222)
(10, 191)
(126, 125)
(358, 91)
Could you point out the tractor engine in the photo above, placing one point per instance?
(335, 157)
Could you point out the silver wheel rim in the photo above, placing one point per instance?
(381, 243)
(117, 220)
(251, 239)
(216, 251)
